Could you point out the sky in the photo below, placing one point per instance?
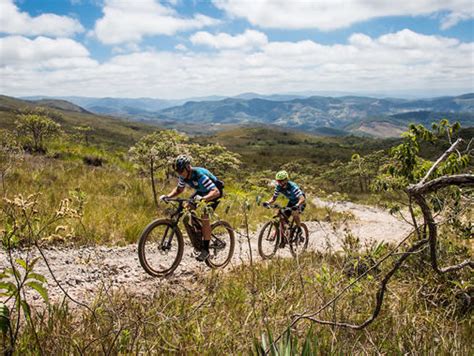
(173, 49)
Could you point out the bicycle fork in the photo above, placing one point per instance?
(166, 240)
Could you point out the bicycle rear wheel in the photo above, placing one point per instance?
(160, 248)
(299, 240)
(221, 246)
(268, 240)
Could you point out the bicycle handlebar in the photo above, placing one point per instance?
(178, 200)
(277, 206)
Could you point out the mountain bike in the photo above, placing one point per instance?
(161, 244)
(279, 232)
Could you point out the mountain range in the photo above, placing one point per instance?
(317, 114)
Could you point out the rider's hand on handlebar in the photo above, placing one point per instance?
(266, 204)
(197, 198)
(163, 198)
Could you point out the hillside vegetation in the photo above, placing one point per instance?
(322, 115)
(93, 187)
(108, 131)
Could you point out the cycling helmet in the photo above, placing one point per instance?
(181, 162)
(282, 175)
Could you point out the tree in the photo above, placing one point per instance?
(214, 157)
(154, 152)
(36, 129)
(84, 133)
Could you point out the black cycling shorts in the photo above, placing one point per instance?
(213, 203)
(290, 205)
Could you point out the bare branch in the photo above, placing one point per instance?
(432, 237)
(438, 183)
(418, 191)
(440, 159)
(469, 145)
(298, 317)
(380, 293)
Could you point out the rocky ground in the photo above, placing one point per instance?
(84, 271)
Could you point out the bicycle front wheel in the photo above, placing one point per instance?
(160, 248)
(221, 246)
(299, 240)
(268, 240)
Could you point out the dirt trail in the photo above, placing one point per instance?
(82, 271)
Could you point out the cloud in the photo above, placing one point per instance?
(455, 17)
(43, 52)
(129, 21)
(180, 47)
(247, 40)
(407, 39)
(330, 15)
(12, 21)
(399, 61)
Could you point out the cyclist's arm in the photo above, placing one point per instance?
(301, 199)
(276, 193)
(175, 192)
(213, 194)
(271, 201)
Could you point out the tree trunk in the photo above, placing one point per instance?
(152, 178)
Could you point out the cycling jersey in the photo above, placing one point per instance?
(291, 191)
(201, 179)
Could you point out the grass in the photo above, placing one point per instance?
(225, 312)
(118, 203)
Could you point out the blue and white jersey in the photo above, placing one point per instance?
(291, 191)
(201, 179)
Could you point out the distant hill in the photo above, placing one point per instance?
(350, 113)
(139, 108)
(393, 125)
(61, 105)
(107, 130)
(321, 115)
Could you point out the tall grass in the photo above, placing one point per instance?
(228, 312)
(118, 203)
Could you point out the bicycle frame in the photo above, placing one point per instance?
(282, 220)
(176, 217)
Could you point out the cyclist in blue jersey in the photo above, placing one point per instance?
(291, 190)
(207, 188)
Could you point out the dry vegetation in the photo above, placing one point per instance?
(245, 309)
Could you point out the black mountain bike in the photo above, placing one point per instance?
(161, 244)
(279, 232)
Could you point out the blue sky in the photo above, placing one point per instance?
(176, 48)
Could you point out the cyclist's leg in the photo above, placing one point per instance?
(206, 230)
(206, 223)
(297, 216)
(296, 213)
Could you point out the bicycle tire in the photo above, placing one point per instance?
(262, 237)
(211, 261)
(304, 246)
(147, 262)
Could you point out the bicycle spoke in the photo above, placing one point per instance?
(160, 248)
(268, 240)
(221, 246)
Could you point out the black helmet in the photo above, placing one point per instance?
(181, 162)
